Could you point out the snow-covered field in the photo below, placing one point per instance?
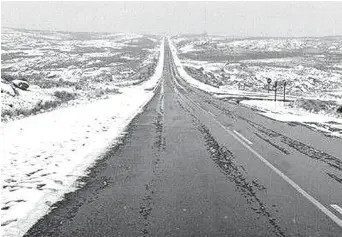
(307, 65)
(237, 70)
(86, 66)
(45, 154)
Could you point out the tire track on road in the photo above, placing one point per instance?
(301, 147)
(236, 173)
(147, 202)
(280, 148)
(313, 153)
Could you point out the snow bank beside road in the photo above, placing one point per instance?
(281, 111)
(153, 81)
(186, 76)
(44, 155)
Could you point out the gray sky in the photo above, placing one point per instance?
(230, 18)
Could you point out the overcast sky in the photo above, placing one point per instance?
(230, 18)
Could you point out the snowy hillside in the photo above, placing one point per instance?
(64, 68)
(247, 63)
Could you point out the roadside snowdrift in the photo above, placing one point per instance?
(45, 154)
(186, 76)
(318, 116)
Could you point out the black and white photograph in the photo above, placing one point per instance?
(171, 118)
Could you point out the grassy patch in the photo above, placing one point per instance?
(101, 92)
(64, 95)
(316, 106)
(39, 107)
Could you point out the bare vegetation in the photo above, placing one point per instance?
(317, 106)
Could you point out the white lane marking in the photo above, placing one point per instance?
(337, 208)
(245, 139)
(320, 206)
(211, 114)
(163, 97)
(160, 106)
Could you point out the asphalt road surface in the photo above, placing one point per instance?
(194, 165)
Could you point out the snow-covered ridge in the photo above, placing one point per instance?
(188, 44)
(44, 155)
(28, 52)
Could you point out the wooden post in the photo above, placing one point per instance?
(275, 91)
(284, 89)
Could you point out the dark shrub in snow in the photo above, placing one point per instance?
(64, 95)
(21, 84)
(316, 106)
(339, 109)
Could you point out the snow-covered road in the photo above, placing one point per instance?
(44, 155)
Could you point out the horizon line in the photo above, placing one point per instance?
(178, 34)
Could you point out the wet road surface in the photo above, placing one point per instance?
(194, 165)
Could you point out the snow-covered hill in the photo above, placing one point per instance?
(87, 65)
